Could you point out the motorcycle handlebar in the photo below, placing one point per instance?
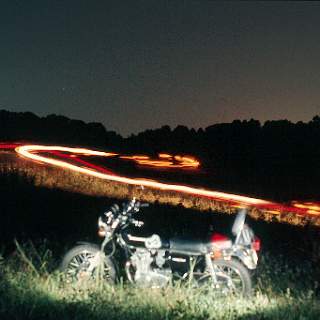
(131, 205)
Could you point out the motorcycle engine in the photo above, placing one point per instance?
(149, 268)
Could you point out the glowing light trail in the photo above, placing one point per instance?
(53, 155)
(169, 162)
(312, 208)
(28, 152)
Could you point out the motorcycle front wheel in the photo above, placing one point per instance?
(86, 262)
(232, 279)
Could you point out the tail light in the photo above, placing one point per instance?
(256, 244)
(219, 242)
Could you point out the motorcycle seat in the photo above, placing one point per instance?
(187, 245)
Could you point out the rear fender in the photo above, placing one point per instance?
(248, 257)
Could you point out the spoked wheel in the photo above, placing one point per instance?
(86, 262)
(232, 279)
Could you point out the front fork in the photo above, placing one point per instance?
(97, 261)
(98, 258)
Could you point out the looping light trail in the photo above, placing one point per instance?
(49, 155)
(29, 151)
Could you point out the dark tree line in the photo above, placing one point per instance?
(26, 126)
(277, 159)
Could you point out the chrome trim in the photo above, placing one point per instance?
(134, 238)
(179, 259)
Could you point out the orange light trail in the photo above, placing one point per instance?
(33, 152)
(28, 152)
(169, 162)
(313, 208)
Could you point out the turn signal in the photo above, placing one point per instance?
(216, 254)
(101, 232)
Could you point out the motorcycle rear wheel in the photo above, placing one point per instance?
(233, 279)
(77, 266)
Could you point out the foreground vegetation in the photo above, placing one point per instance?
(286, 281)
(31, 289)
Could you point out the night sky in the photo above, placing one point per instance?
(134, 65)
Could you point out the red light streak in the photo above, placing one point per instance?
(4, 145)
(313, 208)
(28, 152)
(41, 154)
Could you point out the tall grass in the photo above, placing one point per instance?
(49, 177)
(29, 289)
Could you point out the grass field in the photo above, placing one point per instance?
(34, 205)
(31, 289)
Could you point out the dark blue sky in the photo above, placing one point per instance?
(134, 65)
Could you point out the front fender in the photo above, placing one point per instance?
(89, 243)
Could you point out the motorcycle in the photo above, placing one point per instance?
(218, 263)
